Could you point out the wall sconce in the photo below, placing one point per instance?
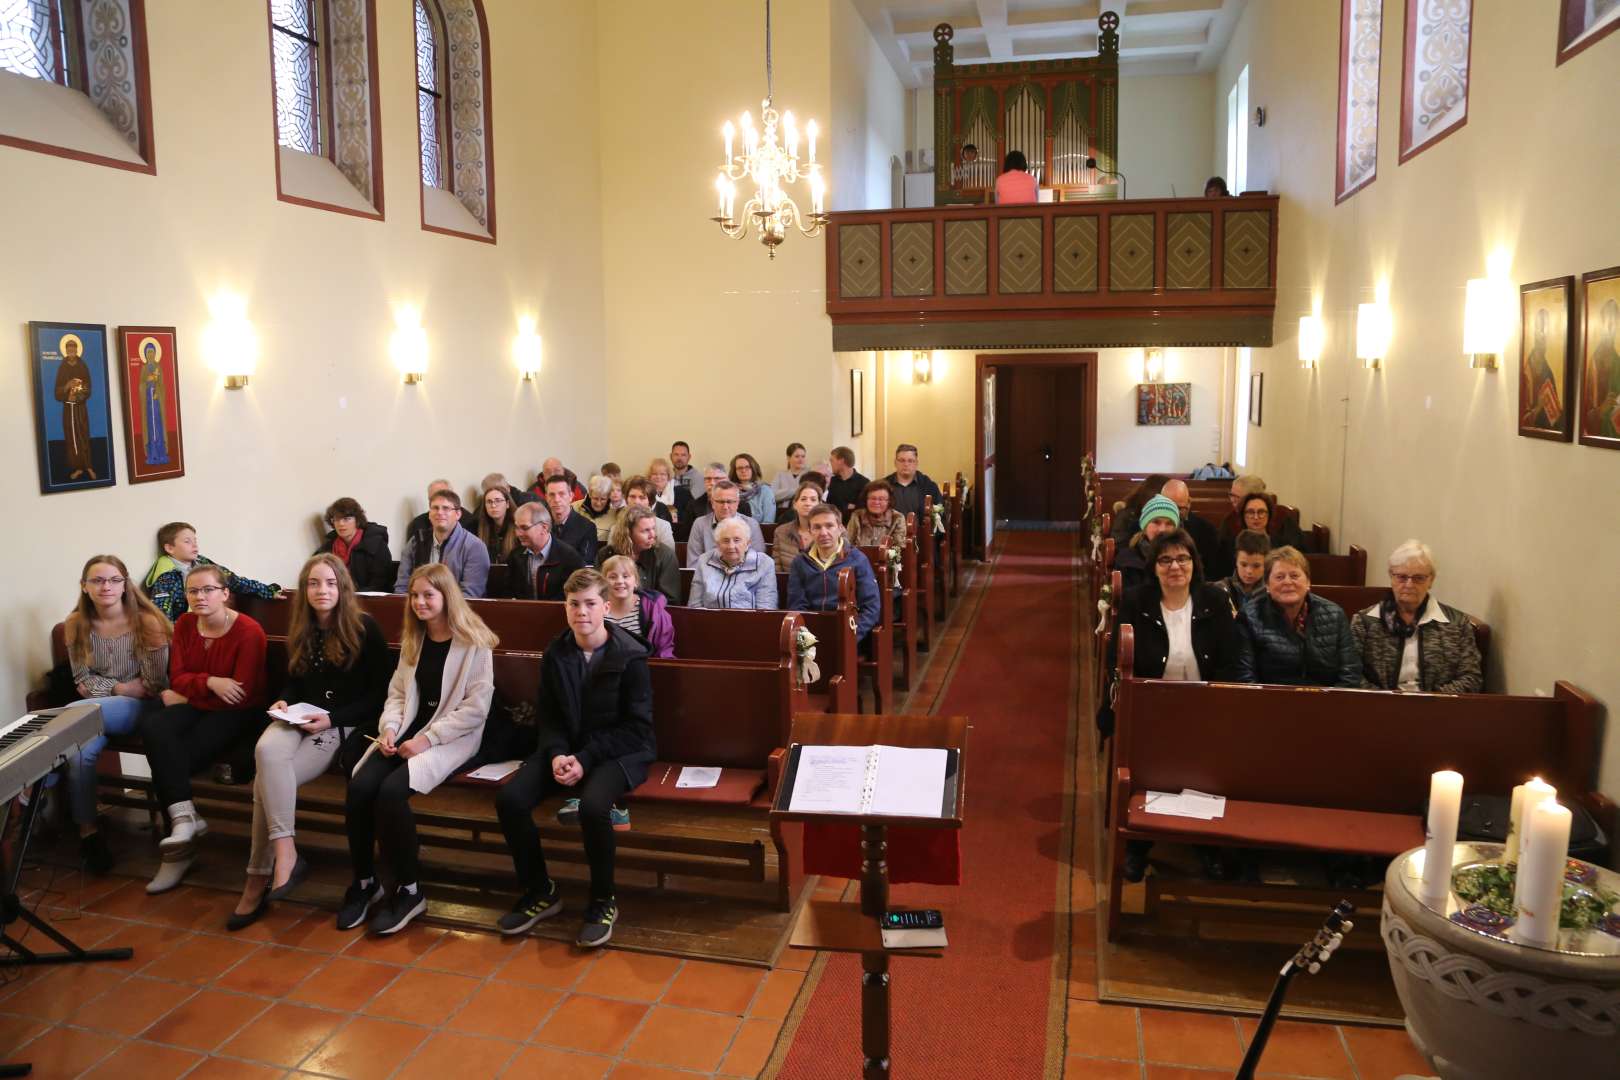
(409, 345)
(922, 366)
(1153, 364)
(1312, 336)
(229, 341)
(1374, 327)
(526, 349)
(1487, 320)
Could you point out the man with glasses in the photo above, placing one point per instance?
(447, 542)
(538, 568)
(724, 498)
(1201, 531)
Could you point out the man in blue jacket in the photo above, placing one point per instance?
(447, 542)
(813, 577)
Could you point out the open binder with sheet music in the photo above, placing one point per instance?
(875, 781)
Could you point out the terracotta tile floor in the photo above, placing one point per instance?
(301, 999)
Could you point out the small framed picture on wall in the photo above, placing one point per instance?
(151, 377)
(1600, 363)
(1546, 359)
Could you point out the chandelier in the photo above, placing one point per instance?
(769, 164)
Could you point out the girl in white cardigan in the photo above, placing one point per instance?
(431, 725)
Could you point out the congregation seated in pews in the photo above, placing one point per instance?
(363, 683)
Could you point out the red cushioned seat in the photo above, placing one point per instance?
(1307, 828)
(737, 787)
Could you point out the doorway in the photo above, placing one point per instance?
(1037, 419)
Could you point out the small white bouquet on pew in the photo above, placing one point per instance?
(1105, 600)
(939, 519)
(804, 643)
(896, 558)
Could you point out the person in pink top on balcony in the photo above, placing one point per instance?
(1015, 185)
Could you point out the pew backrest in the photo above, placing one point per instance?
(1349, 569)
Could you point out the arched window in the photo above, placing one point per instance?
(432, 94)
(453, 118)
(323, 65)
(91, 49)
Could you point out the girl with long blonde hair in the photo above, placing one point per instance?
(338, 667)
(118, 648)
(431, 724)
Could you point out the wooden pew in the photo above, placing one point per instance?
(1329, 770)
(732, 714)
(878, 659)
(928, 608)
(1348, 569)
(837, 653)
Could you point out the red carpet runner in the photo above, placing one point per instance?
(982, 1011)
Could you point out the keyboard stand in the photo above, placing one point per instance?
(12, 909)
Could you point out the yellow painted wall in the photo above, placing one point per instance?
(1523, 529)
(326, 414)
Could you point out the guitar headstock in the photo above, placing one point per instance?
(1326, 941)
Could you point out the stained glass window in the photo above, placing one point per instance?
(30, 39)
(430, 103)
(295, 45)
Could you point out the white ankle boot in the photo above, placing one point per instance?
(170, 873)
(187, 824)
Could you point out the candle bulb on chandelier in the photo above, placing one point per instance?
(810, 130)
(728, 131)
(791, 131)
(720, 193)
(818, 191)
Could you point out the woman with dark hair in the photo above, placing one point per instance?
(495, 523)
(1015, 185)
(1258, 513)
(1184, 631)
(636, 538)
(758, 501)
(874, 524)
(215, 698)
(1215, 188)
(360, 545)
(786, 482)
(793, 535)
(1127, 519)
(338, 666)
(118, 649)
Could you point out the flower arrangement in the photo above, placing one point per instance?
(804, 644)
(1105, 600)
(896, 559)
(939, 518)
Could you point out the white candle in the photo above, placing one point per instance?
(1445, 806)
(1527, 794)
(810, 130)
(1539, 889)
(728, 131)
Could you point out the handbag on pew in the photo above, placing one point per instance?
(1485, 818)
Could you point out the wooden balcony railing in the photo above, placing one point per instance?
(1182, 272)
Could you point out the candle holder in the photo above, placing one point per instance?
(1481, 1004)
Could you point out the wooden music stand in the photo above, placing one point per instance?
(837, 926)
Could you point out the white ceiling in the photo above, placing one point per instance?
(1157, 37)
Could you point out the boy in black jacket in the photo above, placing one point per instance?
(596, 741)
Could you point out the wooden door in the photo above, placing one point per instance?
(1040, 436)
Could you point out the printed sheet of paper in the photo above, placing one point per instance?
(830, 780)
(698, 776)
(910, 781)
(495, 771)
(301, 713)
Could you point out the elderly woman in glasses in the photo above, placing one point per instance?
(1410, 640)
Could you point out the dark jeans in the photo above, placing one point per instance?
(596, 793)
(378, 811)
(183, 739)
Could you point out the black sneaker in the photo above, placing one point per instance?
(396, 915)
(598, 925)
(535, 905)
(97, 856)
(357, 902)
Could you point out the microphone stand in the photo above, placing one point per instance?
(1091, 163)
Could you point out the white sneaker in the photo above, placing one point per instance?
(170, 873)
(187, 827)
